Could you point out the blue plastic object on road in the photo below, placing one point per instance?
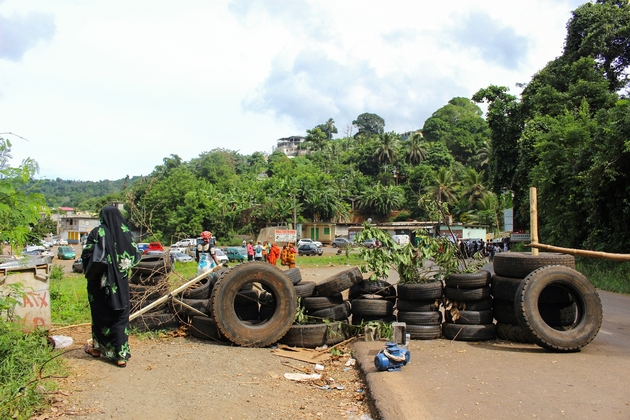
(391, 358)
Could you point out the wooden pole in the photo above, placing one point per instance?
(181, 288)
(582, 252)
(533, 217)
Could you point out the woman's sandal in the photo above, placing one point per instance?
(92, 351)
(121, 363)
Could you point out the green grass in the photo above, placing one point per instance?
(325, 260)
(606, 275)
(68, 300)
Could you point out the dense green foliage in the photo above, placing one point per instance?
(568, 135)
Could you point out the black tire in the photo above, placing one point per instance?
(304, 289)
(205, 328)
(466, 295)
(246, 297)
(420, 291)
(468, 280)
(470, 317)
(247, 312)
(479, 305)
(367, 287)
(307, 336)
(273, 281)
(359, 319)
(334, 313)
(503, 312)
(183, 313)
(294, 275)
(464, 332)
(200, 290)
(155, 263)
(315, 303)
(339, 282)
(504, 288)
(372, 307)
(589, 308)
(417, 306)
(558, 314)
(424, 332)
(514, 333)
(520, 264)
(154, 322)
(337, 332)
(334, 245)
(139, 293)
(420, 318)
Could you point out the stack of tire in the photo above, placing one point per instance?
(418, 306)
(542, 299)
(148, 282)
(468, 316)
(372, 301)
(323, 303)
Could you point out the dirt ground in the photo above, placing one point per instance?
(181, 377)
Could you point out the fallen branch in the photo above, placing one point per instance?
(582, 252)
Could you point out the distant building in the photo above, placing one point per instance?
(291, 146)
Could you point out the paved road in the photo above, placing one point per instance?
(498, 379)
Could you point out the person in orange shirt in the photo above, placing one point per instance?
(291, 256)
(274, 253)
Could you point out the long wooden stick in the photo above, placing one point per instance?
(582, 252)
(181, 288)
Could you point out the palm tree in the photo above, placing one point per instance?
(416, 152)
(381, 199)
(329, 128)
(483, 154)
(386, 153)
(445, 187)
(474, 189)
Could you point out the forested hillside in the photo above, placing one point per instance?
(79, 194)
(568, 134)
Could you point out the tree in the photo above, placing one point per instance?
(602, 30)
(473, 187)
(415, 151)
(387, 151)
(460, 126)
(19, 208)
(328, 128)
(381, 200)
(369, 124)
(316, 138)
(444, 187)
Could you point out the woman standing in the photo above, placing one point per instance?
(108, 256)
(291, 256)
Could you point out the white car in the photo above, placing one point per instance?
(185, 243)
(63, 242)
(221, 257)
(304, 241)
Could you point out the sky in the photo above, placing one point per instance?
(96, 90)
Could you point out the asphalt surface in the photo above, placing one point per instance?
(499, 379)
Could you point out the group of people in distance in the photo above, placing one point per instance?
(270, 252)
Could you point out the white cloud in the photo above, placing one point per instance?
(108, 89)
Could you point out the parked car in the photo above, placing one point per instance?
(77, 266)
(66, 253)
(235, 254)
(221, 257)
(181, 257)
(370, 243)
(185, 242)
(309, 249)
(154, 246)
(308, 241)
(142, 246)
(39, 253)
(63, 242)
(340, 242)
